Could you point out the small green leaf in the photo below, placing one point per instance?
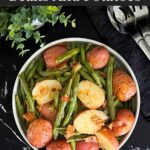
(20, 46)
(62, 18)
(18, 40)
(11, 34)
(73, 23)
(28, 34)
(42, 44)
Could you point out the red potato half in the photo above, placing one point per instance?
(48, 112)
(58, 145)
(89, 121)
(91, 95)
(82, 145)
(107, 140)
(123, 122)
(98, 57)
(39, 133)
(123, 85)
(51, 54)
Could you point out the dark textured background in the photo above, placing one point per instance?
(92, 23)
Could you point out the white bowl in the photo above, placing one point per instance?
(119, 59)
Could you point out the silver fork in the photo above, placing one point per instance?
(141, 14)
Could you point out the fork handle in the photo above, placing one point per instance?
(146, 34)
(142, 44)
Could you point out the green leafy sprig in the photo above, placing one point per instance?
(22, 23)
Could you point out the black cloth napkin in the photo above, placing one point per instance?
(125, 46)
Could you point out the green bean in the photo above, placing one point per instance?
(73, 100)
(75, 109)
(36, 76)
(31, 73)
(30, 101)
(30, 66)
(110, 98)
(66, 74)
(20, 107)
(77, 138)
(102, 79)
(56, 99)
(43, 78)
(52, 73)
(89, 68)
(31, 84)
(62, 107)
(63, 104)
(73, 145)
(67, 55)
(40, 66)
(85, 75)
(22, 93)
(87, 47)
(64, 79)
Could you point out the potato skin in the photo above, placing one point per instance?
(110, 140)
(48, 112)
(51, 54)
(39, 133)
(123, 122)
(58, 145)
(98, 57)
(123, 85)
(82, 145)
(107, 133)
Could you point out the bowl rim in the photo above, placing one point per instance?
(76, 39)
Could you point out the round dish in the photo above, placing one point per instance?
(119, 60)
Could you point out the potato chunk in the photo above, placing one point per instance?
(91, 95)
(107, 140)
(89, 121)
(44, 91)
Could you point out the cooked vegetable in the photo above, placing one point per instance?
(73, 100)
(56, 100)
(39, 133)
(51, 54)
(85, 75)
(44, 91)
(32, 72)
(30, 66)
(90, 94)
(64, 100)
(73, 145)
(75, 103)
(77, 138)
(89, 68)
(19, 105)
(109, 90)
(29, 116)
(48, 112)
(53, 73)
(82, 145)
(58, 145)
(89, 121)
(123, 85)
(98, 57)
(30, 101)
(67, 55)
(123, 122)
(107, 140)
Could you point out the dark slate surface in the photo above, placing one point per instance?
(98, 29)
